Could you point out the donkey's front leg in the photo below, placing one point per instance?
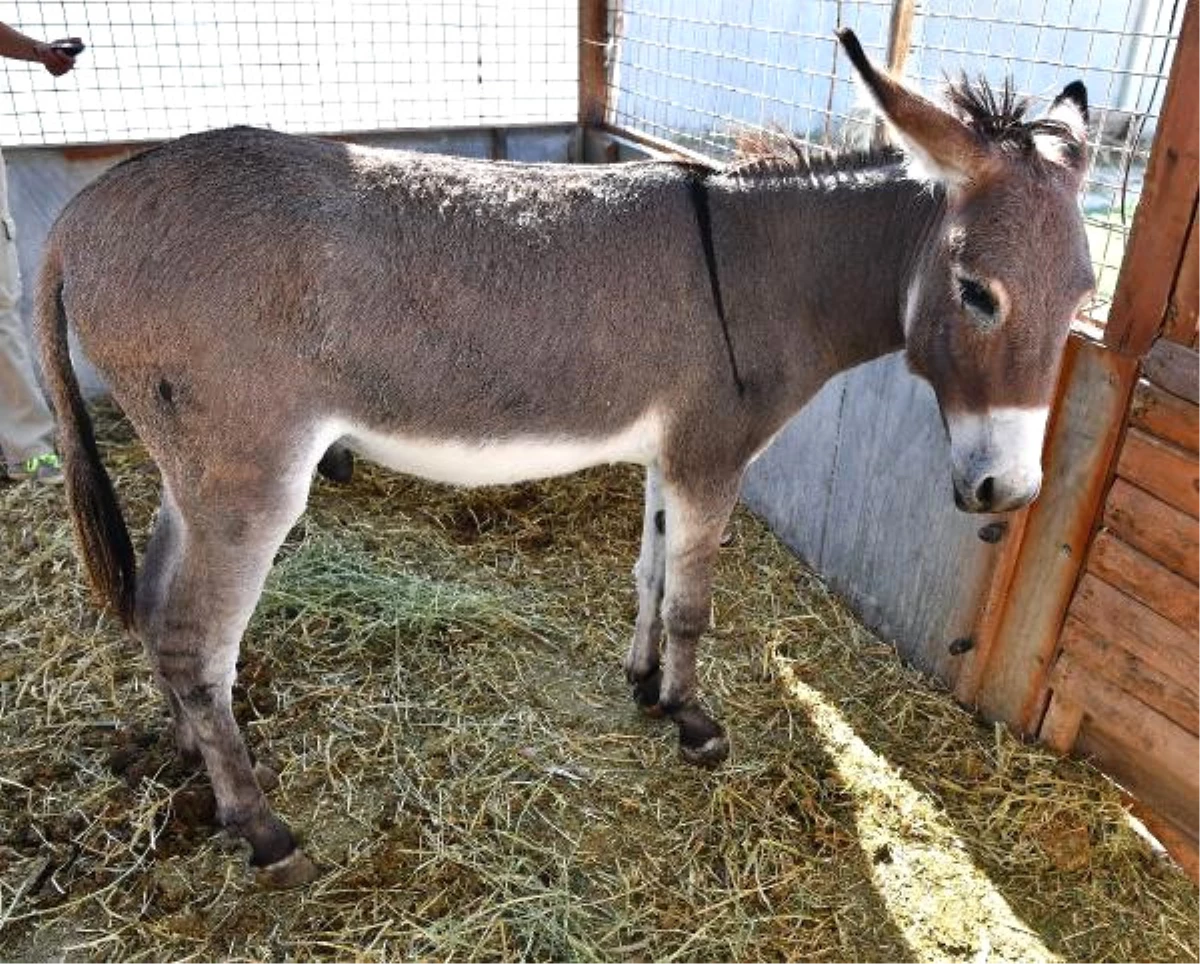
(642, 660)
(696, 518)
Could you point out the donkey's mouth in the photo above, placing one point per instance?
(993, 494)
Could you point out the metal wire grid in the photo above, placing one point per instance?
(154, 70)
(699, 72)
(1123, 54)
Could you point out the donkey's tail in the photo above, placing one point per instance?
(99, 526)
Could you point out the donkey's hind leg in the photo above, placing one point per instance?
(642, 660)
(158, 567)
(223, 543)
(697, 513)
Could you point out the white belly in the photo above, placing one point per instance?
(500, 461)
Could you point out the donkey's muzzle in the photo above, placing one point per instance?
(995, 493)
(996, 458)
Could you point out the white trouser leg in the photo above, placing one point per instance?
(26, 425)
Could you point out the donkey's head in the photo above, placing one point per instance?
(990, 300)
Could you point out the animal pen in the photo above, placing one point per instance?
(434, 673)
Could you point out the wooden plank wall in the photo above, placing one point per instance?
(1123, 684)
(1123, 680)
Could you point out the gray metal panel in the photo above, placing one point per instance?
(859, 486)
(40, 182)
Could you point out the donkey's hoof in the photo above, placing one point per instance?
(295, 870)
(646, 691)
(702, 741)
(710, 754)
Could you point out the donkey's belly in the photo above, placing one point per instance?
(472, 462)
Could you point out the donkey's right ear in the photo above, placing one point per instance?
(945, 148)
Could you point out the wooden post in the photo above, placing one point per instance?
(899, 44)
(1008, 676)
(1182, 314)
(900, 35)
(1164, 215)
(593, 69)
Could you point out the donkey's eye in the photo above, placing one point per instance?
(977, 299)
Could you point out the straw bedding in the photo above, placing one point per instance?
(436, 677)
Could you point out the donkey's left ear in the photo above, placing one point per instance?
(1065, 140)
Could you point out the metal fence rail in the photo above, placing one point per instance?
(700, 72)
(160, 69)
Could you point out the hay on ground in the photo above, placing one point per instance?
(436, 676)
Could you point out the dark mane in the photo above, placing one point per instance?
(998, 117)
(765, 153)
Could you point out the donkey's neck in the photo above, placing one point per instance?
(836, 251)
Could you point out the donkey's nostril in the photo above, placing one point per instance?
(986, 492)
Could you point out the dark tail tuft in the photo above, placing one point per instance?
(99, 526)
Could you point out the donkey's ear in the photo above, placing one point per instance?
(1064, 139)
(1071, 108)
(946, 147)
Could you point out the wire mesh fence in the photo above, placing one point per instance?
(154, 70)
(698, 73)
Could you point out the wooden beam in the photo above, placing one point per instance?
(1137, 629)
(900, 35)
(1183, 312)
(1175, 368)
(1146, 579)
(658, 146)
(1162, 469)
(1143, 751)
(1153, 527)
(1061, 723)
(1177, 842)
(593, 66)
(1112, 662)
(1164, 213)
(1165, 416)
(1150, 734)
(1009, 683)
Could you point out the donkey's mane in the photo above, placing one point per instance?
(999, 117)
(766, 153)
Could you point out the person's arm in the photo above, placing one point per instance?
(16, 46)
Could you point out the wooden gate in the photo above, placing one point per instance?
(1089, 638)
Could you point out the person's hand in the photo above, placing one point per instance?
(54, 58)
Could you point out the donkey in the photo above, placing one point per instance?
(253, 298)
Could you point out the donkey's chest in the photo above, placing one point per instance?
(500, 461)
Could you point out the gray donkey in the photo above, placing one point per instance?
(253, 298)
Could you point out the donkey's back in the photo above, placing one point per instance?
(431, 296)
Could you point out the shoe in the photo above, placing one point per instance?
(43, 469)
